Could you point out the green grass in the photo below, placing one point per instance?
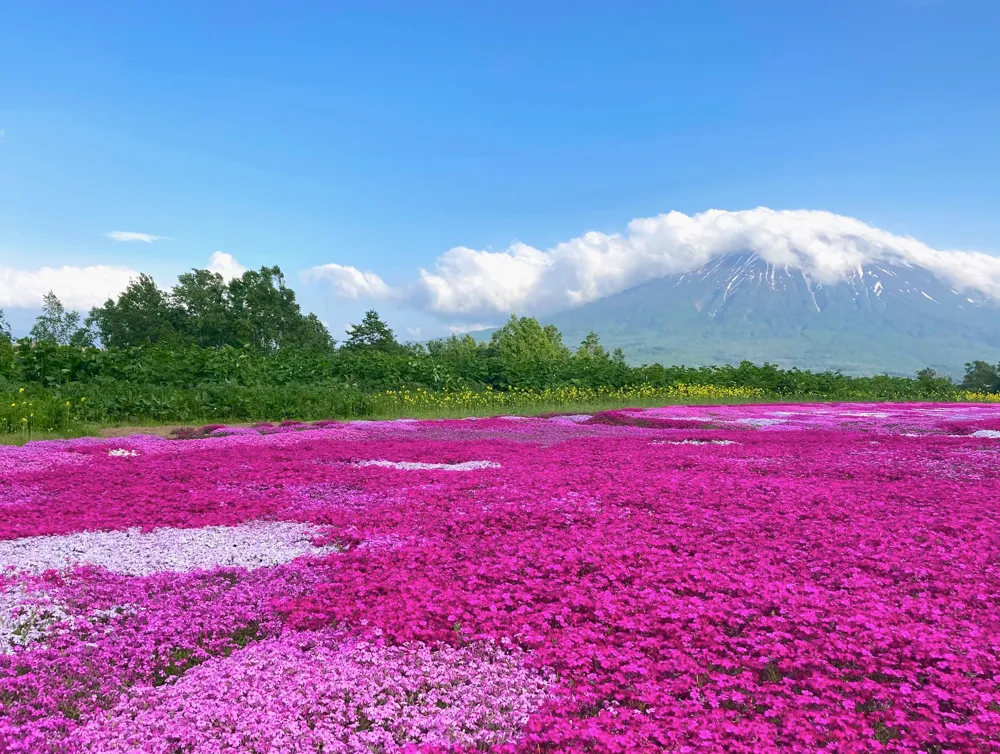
(51, 420)
(547, 407)
(67, 433)
(424, 412)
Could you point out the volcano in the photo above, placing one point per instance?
(879, 318)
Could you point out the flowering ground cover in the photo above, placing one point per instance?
(793, 578)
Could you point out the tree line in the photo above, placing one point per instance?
(256, 310)
(252, 331)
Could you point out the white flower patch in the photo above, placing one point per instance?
(122, 453)
(754, 422)
(417, 466)
(137, 553)
(986, 433)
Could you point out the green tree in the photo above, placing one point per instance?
(256, 310)
(142, 316)
(591, 348)
(266, 316)
(456, 347)
(373, 334)
(461, 355)
(524, 339)
(83, 337)
(311, 333)
(934, 385)
(6, 348)
(202, 298)
(528, 355)
(981, 377)
(55, 324)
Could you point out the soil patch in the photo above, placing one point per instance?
(160, 430)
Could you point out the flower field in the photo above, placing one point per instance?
(760, 578)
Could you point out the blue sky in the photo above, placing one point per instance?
(378, 136)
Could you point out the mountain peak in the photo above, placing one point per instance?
(877, 317)
(875, 283)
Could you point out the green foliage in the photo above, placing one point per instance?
(142, 316)
(243, 351)
(256, 310)
(527, 354)
(202, 297)
(524, 339)
(372, 334)
(6, 349)
(981, 377)
(266, 316)
(591, 348)
(57, 326)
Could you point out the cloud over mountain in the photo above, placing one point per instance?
(468, 283)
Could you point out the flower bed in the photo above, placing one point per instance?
(726, 579)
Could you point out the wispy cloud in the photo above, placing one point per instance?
(128, 235)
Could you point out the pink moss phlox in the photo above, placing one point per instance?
(827, 583)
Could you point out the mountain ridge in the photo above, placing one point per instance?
(882, 317)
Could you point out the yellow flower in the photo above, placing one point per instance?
(21, 390)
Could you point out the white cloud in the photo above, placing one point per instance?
(468, 327)
(225, 265)
(127, 235)
(76, 287)
(350, 282)
(468, 283)
(84, 287)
